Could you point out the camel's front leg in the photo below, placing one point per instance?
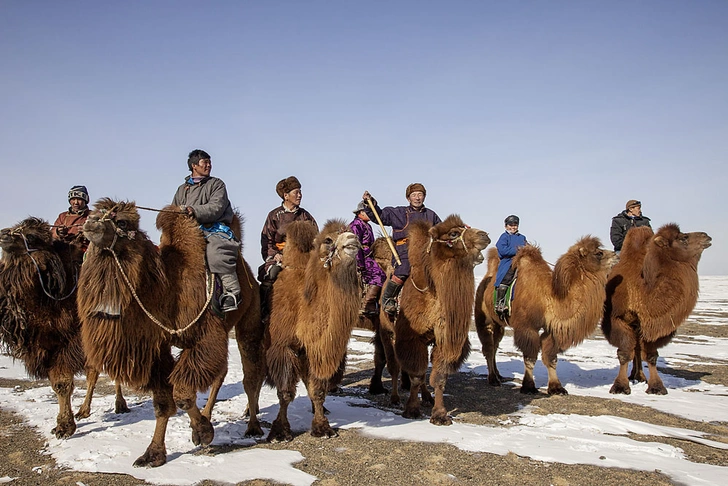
(317, 393)
(529, 343)
(280, 430)
(375, 384)
(549, 356)
(186, 399)
(92, 376)
(164, 407)
(412, 406)
(212, 396)
(120, 405)
(637, 373)
(392, 366)
(62, 384)
(490, 335)
(438, 378)
(624, 338)
(654, 382)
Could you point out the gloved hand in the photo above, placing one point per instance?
(62, 231)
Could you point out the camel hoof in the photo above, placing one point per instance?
(494, 380)
(82, 413)
(326, 431)
(412, 414)
(620, 390)
(64, 431)
(638, 377)
(557, 390)
(439, 419)
(151, 459)
(254, 430)
(121, 408)
(377, 389)
(203, 433)
(395, 401)
(656, 390)
(529, 390)
(279, 433)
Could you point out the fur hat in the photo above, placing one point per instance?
(512, 219)
(360, 207)
(287, 185)
(79, 192)
(414, 187)
(632, 203)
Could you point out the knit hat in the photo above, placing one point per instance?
(287, 185)
(632, 203)
(79, 192)
(414, 187)
(512, 219)
(360, 207)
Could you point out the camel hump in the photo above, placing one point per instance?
(493, 262)
(300, 235)
(635, 242)
(527, 253)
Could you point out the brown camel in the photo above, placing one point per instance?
(552, 311)
(315, 307)
(650, 293)
(436, 305)
(38, 320)
(137, 301)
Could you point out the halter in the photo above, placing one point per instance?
(29, 251)
(110, 216)
(451, 241)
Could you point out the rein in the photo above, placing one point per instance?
(30, 251)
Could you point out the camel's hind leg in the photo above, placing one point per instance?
(637, 373)
(62, 384)
(375, 384)
(528, 341)
(549, 356)
(92, 376)
(490, 334)
(164, 407)
(438, 379)
(212, 396)
(120, 405)
(625, 339)
(280, 430)
(320, 426)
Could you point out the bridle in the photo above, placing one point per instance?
(450, 242)
(110, 216)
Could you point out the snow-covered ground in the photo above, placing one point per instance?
(107, 442)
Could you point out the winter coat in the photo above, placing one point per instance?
(399, 218)
(621, 223)
(70, 224)
(371, 272)
(507, 245)
(273, 235)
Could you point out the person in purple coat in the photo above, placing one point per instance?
(371, 273)
(399, 218)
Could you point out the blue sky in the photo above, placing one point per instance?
(556, 111)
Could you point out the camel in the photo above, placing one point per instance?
(137, 301)
(552, 311)
(650, 293)
(315, 307)
(435, 307)
(38, 320)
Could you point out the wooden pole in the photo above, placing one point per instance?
(386, 235)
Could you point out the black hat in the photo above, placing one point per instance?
(78, 191)
(512, 219)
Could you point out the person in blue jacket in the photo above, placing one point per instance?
(399, 218)
(508, 244)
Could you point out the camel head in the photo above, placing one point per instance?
(111, 222)
(455, 239)
(585, 257)
(679, 246)
(592, 257)
(334, 242)
(30, 234)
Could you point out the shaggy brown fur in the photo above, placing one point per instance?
(38, 320)
(650, 293)
(170, 282)
(315, 307)
(436, 302)
(552, 311)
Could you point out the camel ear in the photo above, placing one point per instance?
(583, 251)
(661, 241)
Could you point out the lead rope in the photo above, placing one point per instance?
(210, 283)
(40, 275)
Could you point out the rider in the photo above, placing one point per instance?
(508, 244)
(371, 273)
(69, 224)
(399, 217)
(205, 198)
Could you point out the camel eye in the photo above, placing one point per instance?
(121, 224)
(600, 254)
(31, 237)
(328, 240)
(454, 234)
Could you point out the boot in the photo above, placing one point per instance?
(389, 297)
(500, 299)
(231, 292)
(371, 301)
(266, 287)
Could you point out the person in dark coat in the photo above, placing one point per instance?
(399, 218)
(205, 198)
(631, 217)
(273, 235)
(69, 224)
(371, 273)
(508, 244)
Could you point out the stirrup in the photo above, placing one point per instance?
(228, 302)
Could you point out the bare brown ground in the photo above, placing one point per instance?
(354, 459)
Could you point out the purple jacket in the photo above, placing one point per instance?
(371, 272)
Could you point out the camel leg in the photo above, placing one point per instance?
(120, 405)
(624, 338)
(186, 399)
(490, 335)
(375, 384)
(92, 376)
(280, 430)
(654, 382)
(392, 366)
(212, 396)
(317, 393)
(62, 384)
(253, 377)
(549, 356)
(164, 407)
(426, 399)
(528, 341)
(412, 406)
(438, 379)
(638, 373)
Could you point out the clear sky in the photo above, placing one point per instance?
(556, 111)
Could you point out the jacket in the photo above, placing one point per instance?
(621, 223)
(208, 198)
(507, 245)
